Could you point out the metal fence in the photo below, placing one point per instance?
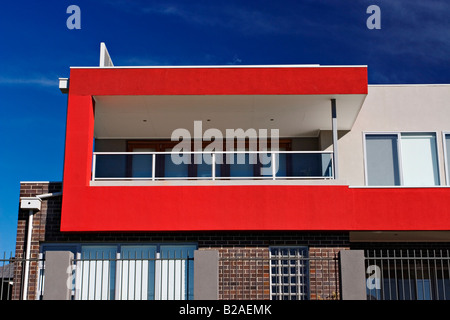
(281, 274)
(281, 277)
(18, 278)
(408, 274)
(94, 278)
(7, 267)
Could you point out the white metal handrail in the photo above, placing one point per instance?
(210, 152)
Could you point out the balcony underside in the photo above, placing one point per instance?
(156, 117)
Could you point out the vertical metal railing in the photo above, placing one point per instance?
(137, 277)
(12, 275)
(7, 267)
(409, 274)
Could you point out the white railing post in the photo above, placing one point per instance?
(153, 166)
(94, 164)
(332, 165)
(213, 163)
(274, 166)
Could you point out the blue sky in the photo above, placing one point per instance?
(36, 48)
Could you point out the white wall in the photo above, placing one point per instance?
(395, 108)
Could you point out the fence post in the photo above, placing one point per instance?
(57, 272)
(353, 276)
(206, 275)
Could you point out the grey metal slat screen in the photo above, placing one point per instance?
(408, 274)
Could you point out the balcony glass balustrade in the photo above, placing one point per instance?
(275, 165)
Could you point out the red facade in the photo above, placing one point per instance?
(227, 207)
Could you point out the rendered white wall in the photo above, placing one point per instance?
(395, 108)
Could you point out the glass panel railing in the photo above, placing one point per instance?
(140, 165)
(171, 167)
(122, 165)
(305, 165)
(211, 166)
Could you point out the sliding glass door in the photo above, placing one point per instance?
(175, 273)
(96, 273)
(135, 272)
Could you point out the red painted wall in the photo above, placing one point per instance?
(172, 208)
(154, 208)
(219, 81)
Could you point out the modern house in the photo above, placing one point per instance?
(267, 175)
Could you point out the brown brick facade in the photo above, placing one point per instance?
(324, 273)
(42, 222)
(244, 273)
(229, 244)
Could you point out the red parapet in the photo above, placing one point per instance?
(219, 81)
(200, 208)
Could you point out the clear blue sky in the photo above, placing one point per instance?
(36, 47)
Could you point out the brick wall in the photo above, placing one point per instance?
(244, 273)
(244, 267)
(229, 244)
(49, 209)
(324, 273)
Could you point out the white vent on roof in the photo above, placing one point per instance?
(105, 59)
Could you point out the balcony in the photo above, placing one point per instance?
(203, 165)
(117, 179)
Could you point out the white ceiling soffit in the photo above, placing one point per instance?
(157, 116)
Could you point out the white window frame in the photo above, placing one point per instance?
(399, 150)
(299, 294)
(446, 157)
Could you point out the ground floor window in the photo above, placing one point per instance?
(132, 271)
(289, 273)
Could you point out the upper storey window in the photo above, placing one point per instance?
(401, 159)
(447, 156)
